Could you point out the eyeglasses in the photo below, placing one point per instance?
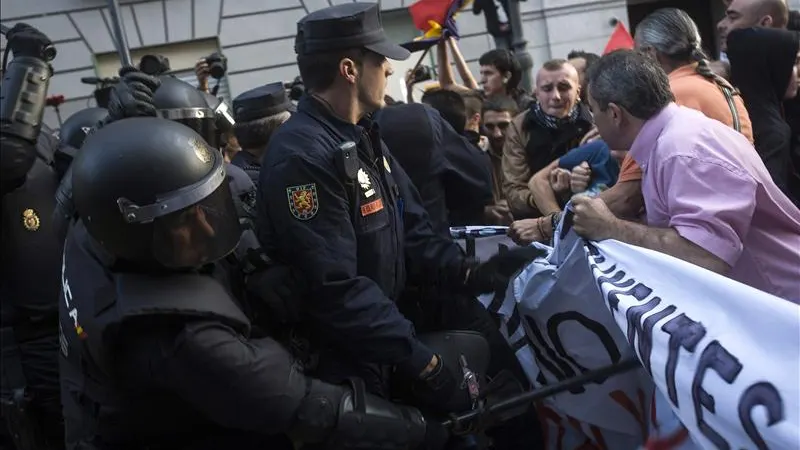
(501, 125)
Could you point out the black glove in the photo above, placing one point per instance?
(25, 40)
(494, 274)
(436, 436)
(133, 95)
(441, 391)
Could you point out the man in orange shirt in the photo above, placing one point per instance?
(671, 37)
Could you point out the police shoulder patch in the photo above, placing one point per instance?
(303, 201)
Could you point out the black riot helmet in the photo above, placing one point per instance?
(153, 193)
(74, 130)
(180, 101)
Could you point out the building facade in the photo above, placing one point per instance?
(257, 36)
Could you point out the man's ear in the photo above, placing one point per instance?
(348, 70)
(766, 21)
(616, 112)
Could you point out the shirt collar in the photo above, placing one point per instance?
(647, 138)
(320, 111)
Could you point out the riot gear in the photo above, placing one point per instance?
(154, 207)
(22, 101)
(181, 102)
(74, 130)
(181, 214)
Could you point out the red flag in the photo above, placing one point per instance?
(424, 10)
(620, 38)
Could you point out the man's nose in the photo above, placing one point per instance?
(556, 94)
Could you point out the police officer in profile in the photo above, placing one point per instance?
(156, 354)
(334, 205)
(258, 113)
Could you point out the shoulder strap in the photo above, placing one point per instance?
(729, 93)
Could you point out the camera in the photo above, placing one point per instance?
(154, 65)
(296, 88)
(217, 65)
(422, 73)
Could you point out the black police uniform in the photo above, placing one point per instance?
(449, 173)
(30, 256)
(334, 205)
(156, 353)
(259, 103)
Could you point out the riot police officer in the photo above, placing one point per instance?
(156, 354)
(333, 204)
(30, 253)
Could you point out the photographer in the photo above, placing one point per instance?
(214, 65)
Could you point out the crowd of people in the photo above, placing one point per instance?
(280, 274)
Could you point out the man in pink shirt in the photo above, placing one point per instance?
(708, 197)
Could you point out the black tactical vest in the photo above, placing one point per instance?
(100, 403)
(31, 255)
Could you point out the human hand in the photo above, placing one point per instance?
(202, 72)
(526, 231)
(592, 219)
(25, 40)
(133, 95)
(559, 180)
(580, 177)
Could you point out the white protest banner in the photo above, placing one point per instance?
(554, 318)
(725, 355)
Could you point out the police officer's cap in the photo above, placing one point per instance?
(340, 27)
(261, 102)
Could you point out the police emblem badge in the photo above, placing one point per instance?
(30, 220)
(303, 201)
(366, 184)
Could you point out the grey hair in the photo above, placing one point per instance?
(630, 80)
(671, 32)
(255, 134)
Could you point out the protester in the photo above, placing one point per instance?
(708, 197)
(500, 76)
(497, 116)
(555, 123)
(764, 67)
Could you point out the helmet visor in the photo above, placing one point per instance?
(198, 234)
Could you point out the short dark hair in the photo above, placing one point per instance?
(632, 81)
(473, 102)
(450, 105)
(319, 70)
(589, 57)
(505, 62)
(500, 103)
(554, 64)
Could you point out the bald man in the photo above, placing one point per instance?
(752, 13)
(552, 126)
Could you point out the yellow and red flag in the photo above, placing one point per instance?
(436, 20)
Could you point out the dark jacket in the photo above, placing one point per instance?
(762, 60)
(452, 176)
(349, 238)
